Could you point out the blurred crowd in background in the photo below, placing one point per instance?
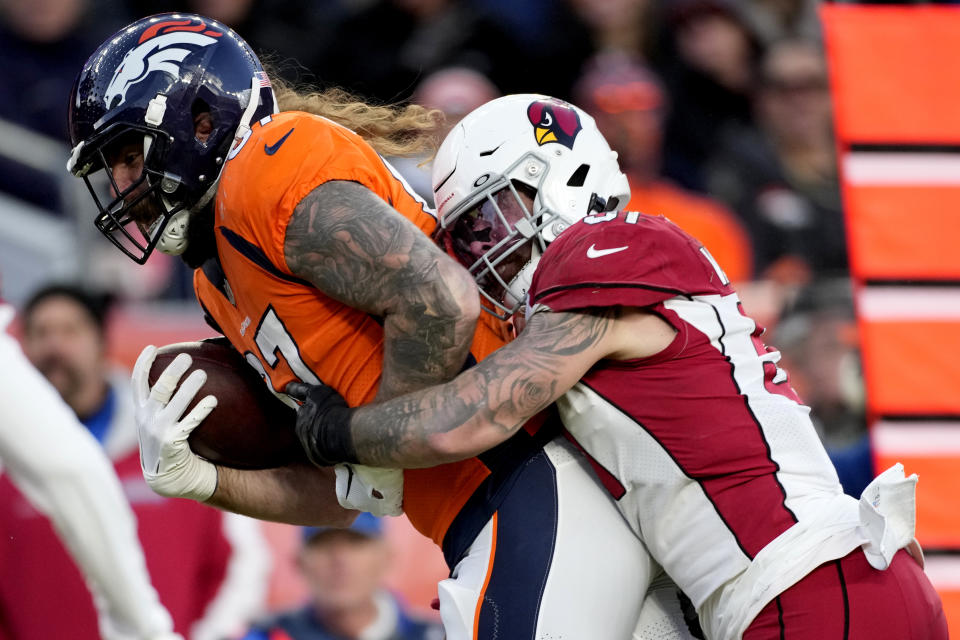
(719, 109)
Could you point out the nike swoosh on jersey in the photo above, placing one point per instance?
(593, 252)
(273, 148)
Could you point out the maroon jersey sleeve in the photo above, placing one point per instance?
(623, 258)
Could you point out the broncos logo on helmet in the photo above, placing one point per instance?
(162, 47)
(554, 121)
(144, 86)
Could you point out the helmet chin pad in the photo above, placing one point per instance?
(173, 239)
(515, 296)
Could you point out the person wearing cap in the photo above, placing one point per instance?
(456, 91)
(629, 104)
(64, 336)
(344, 570)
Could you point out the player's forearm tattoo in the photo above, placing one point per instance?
(501, 393)
(354, 247)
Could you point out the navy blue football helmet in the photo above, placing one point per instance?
(146, 85)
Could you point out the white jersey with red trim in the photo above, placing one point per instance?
(706, 447)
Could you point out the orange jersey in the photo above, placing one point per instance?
(286, 327)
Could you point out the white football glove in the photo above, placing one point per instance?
(379, 491)
(169, 466)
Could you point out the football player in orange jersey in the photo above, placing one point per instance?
(314, 259)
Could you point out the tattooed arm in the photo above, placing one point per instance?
(356, 248)
(490, 402)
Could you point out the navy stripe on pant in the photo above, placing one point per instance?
(526, 534)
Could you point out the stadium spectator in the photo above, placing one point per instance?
(344, 570)
(782, 180)
(817, 334)
(615, 25)
(707, 61)
(554, 38)
(774, 20)
(383, 50)
(42, 46)
(456, 91)
(290, 33)
(628, 103)
(208, 567)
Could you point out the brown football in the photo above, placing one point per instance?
(250, 428)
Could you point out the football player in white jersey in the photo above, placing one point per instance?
(660, 376)
(62, 470)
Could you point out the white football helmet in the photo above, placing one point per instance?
(509, 178)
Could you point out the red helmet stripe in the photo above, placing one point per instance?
(174, 25)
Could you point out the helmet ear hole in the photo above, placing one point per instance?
(203, 124)
(199, 106)
(597, 204)
(578, 177)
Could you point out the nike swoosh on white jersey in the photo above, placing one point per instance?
(593, 252)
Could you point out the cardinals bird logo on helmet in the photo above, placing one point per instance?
(507, 182)
(554, 121)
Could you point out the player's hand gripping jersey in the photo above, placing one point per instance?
(287, 328)
(705, 443)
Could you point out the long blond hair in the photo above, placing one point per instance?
(392, 130)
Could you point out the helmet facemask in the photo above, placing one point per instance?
(497, 232)
(133, 219)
